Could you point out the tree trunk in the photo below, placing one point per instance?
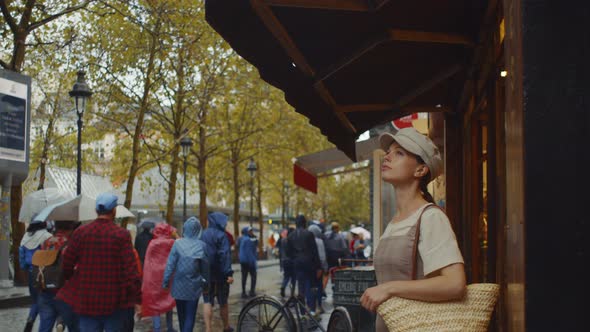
(284, 205)
(134, 167)
(236, 183)
(202, 165)
(203, 210)
(18, 51)
(259, 208)
(42, 172)
(18, 230)
(172, 184)
(45, 154)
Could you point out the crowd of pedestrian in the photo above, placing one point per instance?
(93, 278)
(309, 254)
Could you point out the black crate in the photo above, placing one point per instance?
(348, 286)
(356, 273)
(362, 320)
(346, 299)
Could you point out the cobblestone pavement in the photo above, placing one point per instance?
(268, 283)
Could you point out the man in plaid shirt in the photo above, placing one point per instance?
(99, 267)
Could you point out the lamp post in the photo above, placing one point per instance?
(186, 144)
(252, 170)
(80, 92)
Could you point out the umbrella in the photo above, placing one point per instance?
(80, 208)
(149, 222)
(359, 230)
(36, 201)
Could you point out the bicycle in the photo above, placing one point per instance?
(266, 313)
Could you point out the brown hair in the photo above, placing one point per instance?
(424, 183)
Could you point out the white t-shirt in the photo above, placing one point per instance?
(437, 246)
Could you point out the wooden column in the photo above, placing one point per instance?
(453, 173)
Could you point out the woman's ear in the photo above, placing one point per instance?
(422, 170)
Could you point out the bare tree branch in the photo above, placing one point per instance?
(9, 19)
(119, 122)
(46, 20)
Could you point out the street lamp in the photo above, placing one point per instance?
(252, 170)
(80, 92)
(186, 144)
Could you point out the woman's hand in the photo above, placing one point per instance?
(374, 296)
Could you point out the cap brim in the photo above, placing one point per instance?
(386, 139)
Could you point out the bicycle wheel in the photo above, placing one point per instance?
(265, 314)
(340, 321)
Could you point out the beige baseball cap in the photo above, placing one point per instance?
(414, 142)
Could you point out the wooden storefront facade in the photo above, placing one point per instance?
(514, 127)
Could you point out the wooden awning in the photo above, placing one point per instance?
(349, 65)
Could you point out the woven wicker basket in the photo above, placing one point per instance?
(472, 313)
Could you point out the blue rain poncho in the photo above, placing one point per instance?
(187, 264)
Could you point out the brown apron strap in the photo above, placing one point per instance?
(417, 239)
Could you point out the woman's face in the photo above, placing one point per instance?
(398, 165)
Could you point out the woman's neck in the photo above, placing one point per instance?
(408, 199)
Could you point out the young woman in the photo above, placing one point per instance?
(410, 163)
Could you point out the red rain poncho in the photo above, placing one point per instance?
(154, 299)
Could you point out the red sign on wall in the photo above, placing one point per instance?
(404, 121)
(304, 179)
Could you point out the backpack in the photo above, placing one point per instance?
(47, 269)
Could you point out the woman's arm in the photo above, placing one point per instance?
(448, 285)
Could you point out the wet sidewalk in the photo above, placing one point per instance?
(19, 296)
(269, 281)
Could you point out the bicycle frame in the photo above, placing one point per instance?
(300, 307)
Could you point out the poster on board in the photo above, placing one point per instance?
(13, 120)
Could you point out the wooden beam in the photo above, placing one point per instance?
(327, 97)
(276, 28)
(394, 35)
(388, 107)
(349, 59)
(380, 3)
(280, 33)
(347, 5)
(428, 37)
(429, 84)
(426, 86)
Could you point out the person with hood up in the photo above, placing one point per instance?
(221, 273)
(156, 300)
(142, 240)
(303, 251)
(248, 245)
(188, 268)
(32, 240)
(317, 288)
